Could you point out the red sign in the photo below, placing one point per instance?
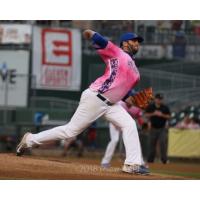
(56, 47)
(55, 77)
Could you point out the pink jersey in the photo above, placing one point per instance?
(135, 112)
(120, 76)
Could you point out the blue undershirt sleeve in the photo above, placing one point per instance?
(99, 41)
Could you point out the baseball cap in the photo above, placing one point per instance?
(130, 36)
(159, 96)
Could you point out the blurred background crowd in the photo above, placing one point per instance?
(44, 66)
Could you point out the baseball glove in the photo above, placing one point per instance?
(141, 99)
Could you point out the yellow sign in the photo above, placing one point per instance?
(184, 143)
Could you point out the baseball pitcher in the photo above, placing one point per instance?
(100, 99)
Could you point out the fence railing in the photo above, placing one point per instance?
(53, 103)
(178, 89)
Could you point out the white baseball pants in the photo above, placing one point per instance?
(114, 139)
(91, 108)
(110, 149)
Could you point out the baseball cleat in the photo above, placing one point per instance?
(105, 165)
(22, 146)
(136, 169)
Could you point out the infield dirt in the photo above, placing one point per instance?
(58, 168)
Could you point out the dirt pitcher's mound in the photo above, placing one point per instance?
(28, 167)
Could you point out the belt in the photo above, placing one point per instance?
(104, 100)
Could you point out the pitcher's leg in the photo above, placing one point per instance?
(90, 108)
(114, 138)
(132, 145)
(118, 116)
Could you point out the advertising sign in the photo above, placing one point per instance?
(155, 52)
(193, 52)
(57, 58)
(14, 78)
(15, 34)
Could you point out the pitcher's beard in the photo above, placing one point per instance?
(132, 51)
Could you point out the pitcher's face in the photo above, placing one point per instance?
(132, 46)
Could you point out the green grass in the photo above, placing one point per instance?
(189, 175)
